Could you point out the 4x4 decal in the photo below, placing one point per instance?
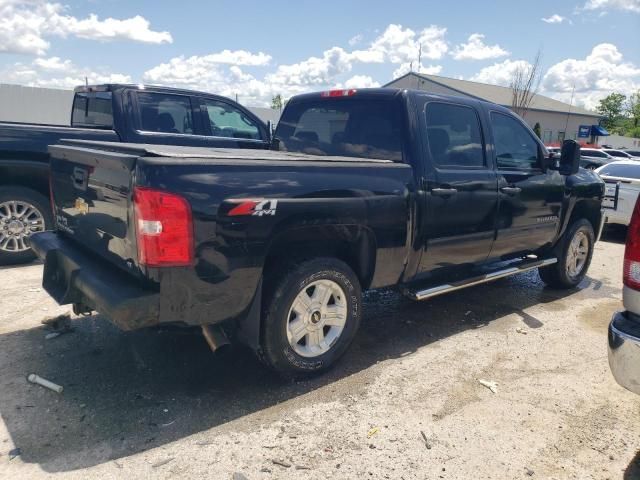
(255, 207)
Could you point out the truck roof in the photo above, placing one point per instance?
(111, 87)
(395, 92)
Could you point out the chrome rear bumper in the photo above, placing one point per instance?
(624, 350)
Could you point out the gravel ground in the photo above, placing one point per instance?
(405, 402)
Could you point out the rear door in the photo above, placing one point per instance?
(530, 199)
(461, 187)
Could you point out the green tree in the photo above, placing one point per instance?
(277, 102)
(537, 129)
(613, 108)
(633, 108)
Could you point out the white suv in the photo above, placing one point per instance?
(624, 329)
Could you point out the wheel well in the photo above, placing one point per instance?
(589, 210)
(35, 177)
(354, 245)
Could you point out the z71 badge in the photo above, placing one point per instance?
(256, 207)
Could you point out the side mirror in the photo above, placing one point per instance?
(570, 157)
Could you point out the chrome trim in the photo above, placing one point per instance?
(603, 220)
(631, 300)
(624, 354)
(489, 277)
(147, 133)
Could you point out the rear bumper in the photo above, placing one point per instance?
(624, 350)
(74, 277)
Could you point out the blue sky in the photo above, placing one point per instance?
(257, 49)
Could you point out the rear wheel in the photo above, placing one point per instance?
(22, 212)
(574, 257)
(311, 317)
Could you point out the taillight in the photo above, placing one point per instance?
(164, 228)
(631, 275)
(339, 93)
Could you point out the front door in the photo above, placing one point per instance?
(530, 199)
(461, 188)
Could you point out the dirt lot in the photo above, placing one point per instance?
(158, 403)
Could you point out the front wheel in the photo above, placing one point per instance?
(311, 317)
(574, 257)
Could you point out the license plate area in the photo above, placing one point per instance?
(57, 278)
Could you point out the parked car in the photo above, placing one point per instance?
(116, 113)
(622, 185)
(592, 158)
(370, 188)
(620, 154)
(624, 329)
(634, 153)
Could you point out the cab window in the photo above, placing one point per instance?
(165, 113)
(230, 122)
(514, 145)
(454, 136)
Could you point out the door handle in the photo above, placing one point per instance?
(511, 190)
(443, 192)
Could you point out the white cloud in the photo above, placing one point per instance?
(57, 73)
(500, 73)
(402, 45)
(555, 18)
(476, 49)
(625, 5)
(602, 72)
(356, 39)
(406, 68)
(25, 25)
(360, 81)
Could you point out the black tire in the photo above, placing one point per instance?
(40, 203)
(277, 352)
(558, 275)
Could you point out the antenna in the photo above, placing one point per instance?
(566, 123)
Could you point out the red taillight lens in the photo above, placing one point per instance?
(631, 275)
(339, 93)
(164, 228)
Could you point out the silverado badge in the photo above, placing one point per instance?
(82, 206)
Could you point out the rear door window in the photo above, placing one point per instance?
(92, 109)
(454, 136)
(165, 113)
(343, 127)
(594, 153)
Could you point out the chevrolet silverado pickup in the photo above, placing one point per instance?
(362, 189)
(114, 113)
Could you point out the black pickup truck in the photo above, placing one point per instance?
(114, 113)
(367, 189)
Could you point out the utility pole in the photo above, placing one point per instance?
(419, 58)
(566, 123)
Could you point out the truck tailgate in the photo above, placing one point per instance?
(91, 193)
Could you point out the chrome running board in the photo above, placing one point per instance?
(477, 280)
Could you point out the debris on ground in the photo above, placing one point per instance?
(16, 452)
(59, 323)
(302, 467)
(239, 476)
(281, 463)
(493, 386)
(163, 462)
(521, 330)
(43, 382)
(529, 472)
(426, 440)
(372, 432)
(52, 335)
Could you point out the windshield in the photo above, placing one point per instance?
(343, 127)
(617, 153)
